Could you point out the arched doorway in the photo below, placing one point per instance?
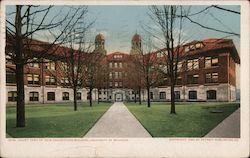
(118, 97)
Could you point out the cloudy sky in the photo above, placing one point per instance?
(119, 23)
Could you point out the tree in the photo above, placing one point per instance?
(167, 18)
(93, 67)
(22, 25)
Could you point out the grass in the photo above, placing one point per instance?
(55, 120)
(191, 120)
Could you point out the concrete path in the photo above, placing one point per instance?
(229, 128)
(118, 122)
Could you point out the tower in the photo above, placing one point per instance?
(99, 44)
(136, 44)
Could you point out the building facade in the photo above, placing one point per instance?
(207, 72)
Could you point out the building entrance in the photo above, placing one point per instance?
(118, 97)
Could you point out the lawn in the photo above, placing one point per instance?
(191, 120)
(55, 120)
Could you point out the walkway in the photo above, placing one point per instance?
(229, 128)
(118, 122)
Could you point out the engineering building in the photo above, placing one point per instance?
(207, 72)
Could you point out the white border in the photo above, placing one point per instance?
(133, 147)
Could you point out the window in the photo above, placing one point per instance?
(160, 54)
(110, 75)
(192, 79)
(212, 77)
(50, 80)
(115, 65)
(51, 65)
(192, 94)
(34, 96)
(64, 81)
(65, 66)
(193, 64)
(120, 65)
(120, 84)
(211, 61)
(116, 84)
(211, 95)
(119, 74)
(12, 96)
(110, 84)
(65, 96)
(116, 75)
(10, 77)
(151, 95)
(177, 95)
(162, 95)
(110, 64)
(179, 66)
(179, 80)
(50, 96)
(78, 96)
(34, 64)
(33, 79)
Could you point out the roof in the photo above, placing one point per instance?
(120, 56)
(211, 44)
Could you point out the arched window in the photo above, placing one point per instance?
(50, 96)
(211, 95)
(192, 94)
(34, 96)
(65, 96)
(162, 95)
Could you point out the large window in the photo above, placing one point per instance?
(34, 96)
(192, 79)
(79, 96)
(115, 64)
(211, 61)
(192, 94)
(50, 96)
(33, 79)
(65, 66)
(50, 80)
(162, 95)
(177, 95)
(65, 96)
(211, 95)
(12, 96)
(10, 77)
(212, 77)
(110, 75)
(65, 81)
(110, 64)
(151, 95)
(193, 64)
(51, 65)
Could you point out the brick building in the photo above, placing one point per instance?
(207, 72)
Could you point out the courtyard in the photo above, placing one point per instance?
(59, 120)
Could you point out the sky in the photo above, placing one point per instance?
(119, 23)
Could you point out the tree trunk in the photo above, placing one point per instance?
(98, 92)
(75, 99)
(20, 114)
(135, 96)
(90, 97)
(140, 95)
(172, 100)
(148, 90)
